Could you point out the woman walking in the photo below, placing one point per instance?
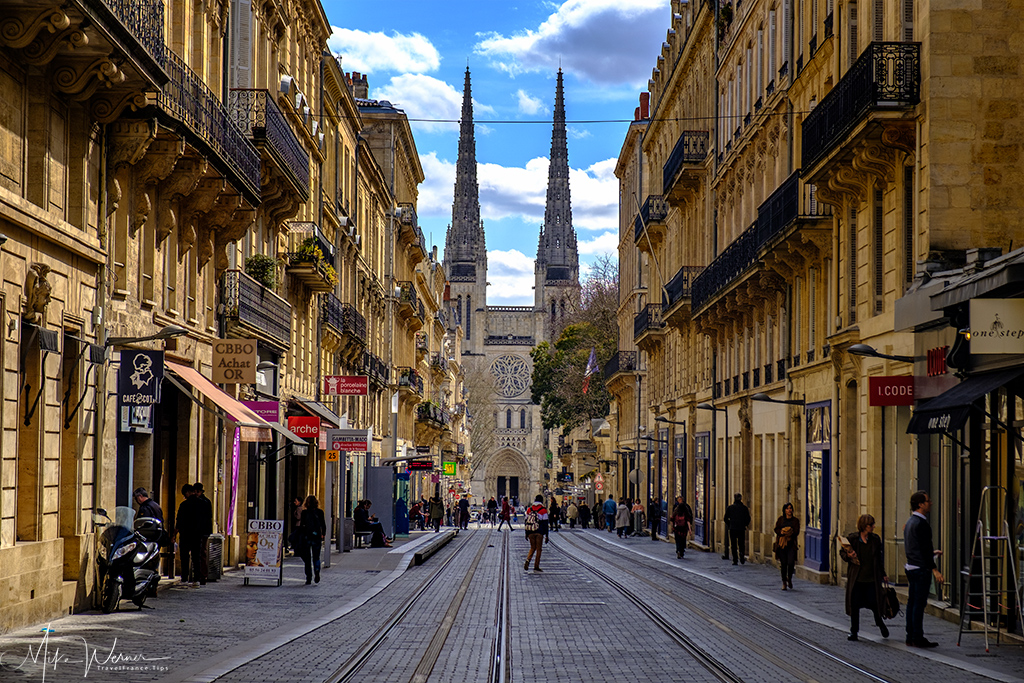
(865, 572)
(584, 516)
(682, 518)
(787, 528)
(621, 518)
(436, 513)
(313, 527)
(536, 530)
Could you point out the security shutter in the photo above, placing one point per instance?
(853, 33)
(241, 44)
(878, 14)
(853, 266)
(908, 20)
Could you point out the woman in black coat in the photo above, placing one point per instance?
(313, 529)
(787, 529)
(864, 574)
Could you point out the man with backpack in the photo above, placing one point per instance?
(536, 530)
(682, 521)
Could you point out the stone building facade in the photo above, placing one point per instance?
(806, 168)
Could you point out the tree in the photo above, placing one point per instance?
(479, 386)
(559, 369)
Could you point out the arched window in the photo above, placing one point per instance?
(508, 419)
(469, 312)
(552, 310)
(522, 418)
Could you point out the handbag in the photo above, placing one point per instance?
(890, 602)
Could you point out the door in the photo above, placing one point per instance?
(817, 513)
(701, 448)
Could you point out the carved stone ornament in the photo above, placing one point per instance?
(81, 78)
(47, 46)
(876, 160)
(128, 142)
(900, 136)
(156, 165)
(180, 183)
(37, 294)
(19, 29)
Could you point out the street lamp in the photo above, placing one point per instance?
(166, 332)
(714, 443)
(765, 398)
(871, 352)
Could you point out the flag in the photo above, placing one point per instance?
(591, 369)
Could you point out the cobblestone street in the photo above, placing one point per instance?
(565, 623)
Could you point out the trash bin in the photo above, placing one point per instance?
(350, 528)
(215, 556)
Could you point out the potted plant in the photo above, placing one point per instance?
(262, 269)
(309, 252)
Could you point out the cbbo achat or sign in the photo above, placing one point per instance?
(264, 549)
(234, 361)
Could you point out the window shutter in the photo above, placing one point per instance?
(879, 252)
(908, 20)
(812, 309)
(241, 44)
(787, 22)
(878, 15)
(760, 62)
(853, 33)
(908, 224)
(773, 47)
(853, 266)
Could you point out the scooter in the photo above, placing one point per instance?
(128, 559)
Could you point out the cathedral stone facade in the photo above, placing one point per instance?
(509, 459)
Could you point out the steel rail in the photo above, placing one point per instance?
(499, 670)
(744, 611)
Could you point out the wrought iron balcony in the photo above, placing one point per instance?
(768, 373)
(421, 342)
(789, 202)
(622, 361)
(653, 212)
(680, 286)
(814, 44)
(408, 303)
(429, 411)
(410, 227)
(691, 149)
(780, 373)
(210, 128)
(410, 380)
(771, 87)
(254, 310)
(758, 104)
(256, 113)
(647, 320)
(828, 25)
(376, 369)
(344, 318)
(438, 362)
(756, 377)
(799, 64)
(885, 76)
(143, 22)
(508, 339)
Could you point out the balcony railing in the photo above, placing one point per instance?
(622, 361)
(439, 362)
(780, 370)
(681, 285)
(431, 412)
(647, 320)
(407, 296)
(768, 373)
(187, 99)
(421, 342)
(787, 203)
(654, 210)
(885, 76)
(257, 308)
(690, 150)
(344, 318)
(409, 221)
(509, 339)
(828, 25)
(144, 21)
(256, 113)
(377, 370)
(410, 379)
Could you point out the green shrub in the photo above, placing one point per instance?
(263, 269)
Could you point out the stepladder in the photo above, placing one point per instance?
(991, 595)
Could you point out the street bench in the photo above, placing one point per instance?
(361, 536)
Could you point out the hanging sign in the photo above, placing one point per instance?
(891, 391)
(234, 361)
(268, 410)
(419, 465)
(997, 325)
(304, 427)
(263, 549)
(342, 385)
(139, 377)
(348, 440)
(448, 468)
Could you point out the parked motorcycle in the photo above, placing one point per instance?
(128, 559)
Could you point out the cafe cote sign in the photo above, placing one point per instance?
(234, 361)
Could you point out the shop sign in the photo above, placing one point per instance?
(565, 477)
(333, 456)
(342, 385)
(139, 377)
(997, 325)
(419, 465)
(448, 468)
(891, 391)
(263, 549)
(304, 427)
(348, 440)
(234, 361)
(268, 410)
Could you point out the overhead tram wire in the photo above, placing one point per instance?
(547, 122)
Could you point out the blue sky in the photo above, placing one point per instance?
(415, 55)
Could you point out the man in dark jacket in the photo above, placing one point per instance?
(654, 517)
(737, 519)
(186, 531)
(147, 506)
(204, 510)
(920, 566)
(464, 512)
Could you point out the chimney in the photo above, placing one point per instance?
(636, 114)
(977, 258)
(360, 89)
(645, 105)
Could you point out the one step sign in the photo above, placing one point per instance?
(350, 440)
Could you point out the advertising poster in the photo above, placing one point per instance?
(264, 548)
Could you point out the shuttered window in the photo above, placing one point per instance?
(879, 251)
(908, 20)
(908, 225)
(852, 276)
(853, 34)
(773, 46)
(241, 44)
(878, 24)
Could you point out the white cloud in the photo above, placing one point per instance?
(432, 104)
(375, 51)
(510, 274)
(607, 41)
(438, 187)
(577, 133)
(605, 243)
(530, 105)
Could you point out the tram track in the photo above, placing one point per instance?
(715, 620)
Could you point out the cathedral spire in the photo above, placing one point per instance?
(464, 242)
(556, 251)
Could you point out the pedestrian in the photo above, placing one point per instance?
(555, 515)
(436, 512)
(737, 519)
(572, 513)
(147, 506)
(682, 524)
(636, 517)
(314, 528)
(654, 517)
(506, 514)
(205, 523)
(621, 517)
(536, 531)
(464, 512)
(492, 510)
(416, 516)
(186, 530)
(865, 573)
(920, 566)
(584, 516)
(610, 511)
(364, 521)
(296, 515)
(787, 529)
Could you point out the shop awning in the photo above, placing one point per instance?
(317, 409)
(948, 411)
(299, 445)
(254, 428)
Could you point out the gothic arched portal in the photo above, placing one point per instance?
(512, 466)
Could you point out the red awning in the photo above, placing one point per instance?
(254, 428)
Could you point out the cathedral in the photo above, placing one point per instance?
(509, 441)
